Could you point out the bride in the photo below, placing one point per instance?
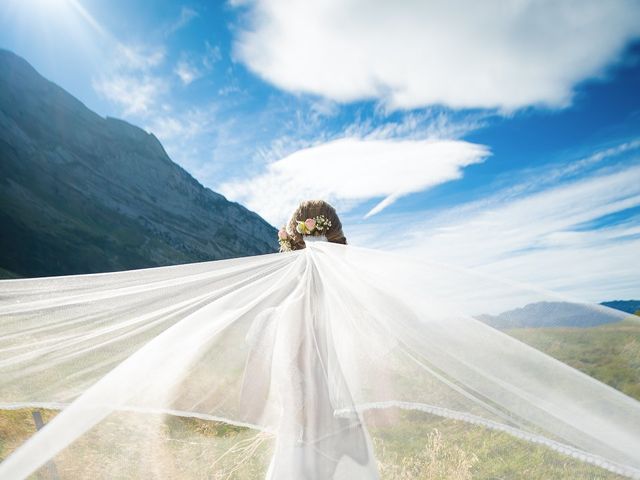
(315, 442)
(351, 359)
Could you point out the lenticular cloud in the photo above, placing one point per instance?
(354, 170)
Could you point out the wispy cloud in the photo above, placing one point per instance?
(426, 124)
(190, 68)
(548, 233)
(490, 54)
(212, 55)
(189, 137)
(354, 170)
(186, 125)
(130, 80)
(187, 72)
(187, 14)
(135, 94)
(137, 57)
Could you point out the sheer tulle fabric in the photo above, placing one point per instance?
(310, 348)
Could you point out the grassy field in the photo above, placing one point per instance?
(432, 447)
(610, 353)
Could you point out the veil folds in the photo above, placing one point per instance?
(224, 369)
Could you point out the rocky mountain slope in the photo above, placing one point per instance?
(80, 193)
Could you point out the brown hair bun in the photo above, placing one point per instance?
(311, 209)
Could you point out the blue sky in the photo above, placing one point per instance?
(493, 135)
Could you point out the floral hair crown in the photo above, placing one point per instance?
(311, 226)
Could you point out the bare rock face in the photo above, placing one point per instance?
(80, 193)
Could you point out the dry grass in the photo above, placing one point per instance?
(408, 445)
(126, 446)
(414, 446)
(409, 448)
(438, 460)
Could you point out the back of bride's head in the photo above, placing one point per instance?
(319, 215)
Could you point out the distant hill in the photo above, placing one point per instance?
(80, 193)
(629, 306)
(551, 314)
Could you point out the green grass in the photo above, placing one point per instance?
(126, 446)
(418, 446)
(609, 353)
(408, 446)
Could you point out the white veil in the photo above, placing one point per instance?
(331, 362)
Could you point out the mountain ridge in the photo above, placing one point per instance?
(80, 193)
(554, 314)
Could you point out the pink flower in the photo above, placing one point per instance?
(310, 223)
(282, 234)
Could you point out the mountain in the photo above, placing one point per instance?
(80, 193)
(551, 314)
(629, 306)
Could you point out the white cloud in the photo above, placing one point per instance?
(353, 170)
(184, 126)
(187, 72)
(190, 68)
(553, 237)
(137, 57)
(212, 55)
(488, 54)
(428, 124)
(186, 16)
(135, 94)
(229, 90)
(130, 80)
